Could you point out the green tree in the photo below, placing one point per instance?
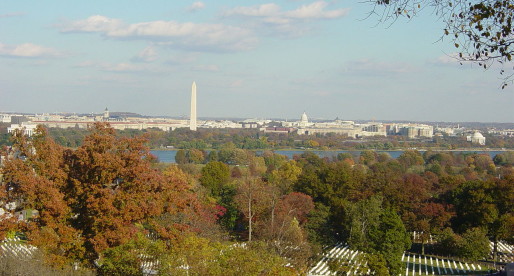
(368, 157)
(474, 205)
(128, 258)
(474, 244)
(212, 156)
(376, 230)
(214, 176)
(448, 242)
(181, 157)
(365, 216)
(411, 158)
(318, 227)
(391, 239)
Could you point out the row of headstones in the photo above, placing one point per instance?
(503, 247)
(505, 252)
(420, 265)
(14, 247)
(338, 252)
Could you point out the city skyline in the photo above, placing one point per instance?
(252, 59)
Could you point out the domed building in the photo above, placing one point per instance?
(304, 121)
(477, 138)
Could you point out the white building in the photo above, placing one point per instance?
(476, 138)
(348, 128)
(412, 130)
(5, 118)
(28, 128)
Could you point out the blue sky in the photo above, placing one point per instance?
(249, 59)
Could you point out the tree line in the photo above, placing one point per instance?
(254, 139)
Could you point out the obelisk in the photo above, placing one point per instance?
(192, 118)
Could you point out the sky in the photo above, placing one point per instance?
(249, 59)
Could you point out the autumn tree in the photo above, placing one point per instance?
(92, 198)
(286, 231)
(37, 180)
(252, 200)
(195, 156)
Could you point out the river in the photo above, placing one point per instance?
(168, 156)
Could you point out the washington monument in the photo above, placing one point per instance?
(192, 118)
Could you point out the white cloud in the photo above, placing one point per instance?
(270, 17)
(316, 10)
(196, 6)
(378, 68)
(273, 12)
(186, 36)
(182, 59)
(86, 64)
(148, 54)
(265, 10)
(451, 59)
(95, 23)
(123, 67)
(206, 68)
(28, 50)
(114, 67)
(11, 14)
(236, 84)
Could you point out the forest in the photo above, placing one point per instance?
(105, 206)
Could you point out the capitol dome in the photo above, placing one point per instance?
(304, 118)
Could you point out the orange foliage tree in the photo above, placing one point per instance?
(95, 197)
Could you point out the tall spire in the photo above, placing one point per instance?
(192, 118)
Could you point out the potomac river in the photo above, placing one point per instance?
(168, 156)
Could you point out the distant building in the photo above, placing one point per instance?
(476, 138)
(250, 125)
(281, 130)
(503, 132)
(348, 128)
(304, 120)
(26, 127)
(5, 118)
(411, 130)
(18, 119)
(106, 114)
